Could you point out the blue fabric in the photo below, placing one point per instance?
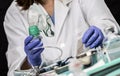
(53, 18)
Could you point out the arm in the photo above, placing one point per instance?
(16, 31)
(98, 16)
(97, 13)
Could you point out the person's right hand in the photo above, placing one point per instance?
(33, 54)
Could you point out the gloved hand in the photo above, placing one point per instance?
(93, 37)
(33, 54)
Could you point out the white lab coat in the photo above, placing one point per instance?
(72, 19)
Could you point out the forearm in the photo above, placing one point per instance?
(25, 65)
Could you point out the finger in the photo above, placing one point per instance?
(32, 44)
(92, 38)
(28, 39)
(40, 45)
(87, 35)
(98, 41)
(38, 49)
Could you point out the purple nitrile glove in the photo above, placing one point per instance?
(33, 54)
(93, 37)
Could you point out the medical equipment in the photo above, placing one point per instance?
(111, 47)
(33, 18)
(39, 21)
(59, 68)
(34, 31)
(33, 58)
(108, 55)
(39, 17)
(109, 69)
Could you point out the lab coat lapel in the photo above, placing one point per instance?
(61, 11)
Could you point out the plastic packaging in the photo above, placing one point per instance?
(111, 46)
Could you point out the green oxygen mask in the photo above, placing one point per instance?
(34, 31)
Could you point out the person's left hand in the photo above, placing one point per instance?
(93, 37)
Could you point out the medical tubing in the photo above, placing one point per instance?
(36, 68)
(50, 47)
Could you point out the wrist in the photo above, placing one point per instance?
(25, 65)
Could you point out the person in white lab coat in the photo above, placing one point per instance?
(73, 23)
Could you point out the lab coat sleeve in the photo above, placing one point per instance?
(97, 13)
(16, 33)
